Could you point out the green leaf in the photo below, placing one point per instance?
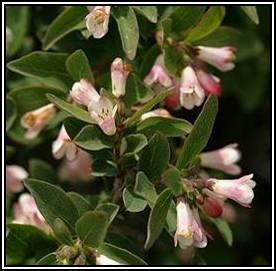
(72, 18)
(23, 241)
(80, 202)
(150, 12)
(110, 208)
(252, 13)
(53, 202)
(157, 217)
(172, 180)
(173, 59)
(73, 126)
(200, 134)
(103, 167)
(171, 219)
(132, 202)
(136, 91)
(49, 259)
(73, 110)
(17, 20)
(31, 98)
(221, 36)
(185, 17)
(10, 151)
(210, 21)
(155, 157)
(78, 66)
(48, 68)
(144, 188)
(11, 112)
(128, 29)
(133, 143)
(120, 255)
(62, 232)
(224, 229)
(170, 127)
(41, 170)
(91, 228)
(92, 138)
(147, 107)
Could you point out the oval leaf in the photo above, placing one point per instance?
(132, 202)
(110, 208)
(11, 112)
(200, 134)
(150, 12)
(157, 217)
(252, 13)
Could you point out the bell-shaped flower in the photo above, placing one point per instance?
(223, 159)
(83, 92)
(97, 20)
(191, 92)
(104, 260)
(239, 190)
(34, 121)
(212, 204)
(103, 112)
(14, 178)
(210, 83)
(220, 57)
(119, 74)
(189, 231)
(160, 112)
(172, 101)
(63, 146)
(78, 169)
(158, 74)
(26, 212)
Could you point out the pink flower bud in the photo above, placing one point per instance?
(172, 101)
(64, 146)
(239, 190)
(14, 179)
(103, 113)
(77, 169)
(119, 74)
(83, 92)
(209, 82)
(223, 159)
(26, 212)
(189, 230)
(191, 92)
(34, 121)
(158, 74)
(222, 58)
(160, 112)
(97, 20)
(212, 207)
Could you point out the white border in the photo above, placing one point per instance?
(131, 3)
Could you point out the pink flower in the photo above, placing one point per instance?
(14, 179)
(103, 112)
(212, 205)
(158, 74)
(97, 20)
(222, 58)
(223, 159)
(78, 169)
(209, 82)
(64, 146)
(119, 74)
(191, 92)
(26, 212)
(189, 230)
(239, 190)
(34, 121)
(172, 101)
(160, 112)
(83, 92)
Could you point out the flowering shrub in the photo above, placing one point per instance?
(124, 167)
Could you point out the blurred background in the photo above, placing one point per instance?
(244, 117)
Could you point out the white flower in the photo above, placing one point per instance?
(97, 20)
(64, 146)
(223, 159)
(160, 112)
(14, 178)
(34, 121)
(103, 260)
(191, 92)
(222, 58)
